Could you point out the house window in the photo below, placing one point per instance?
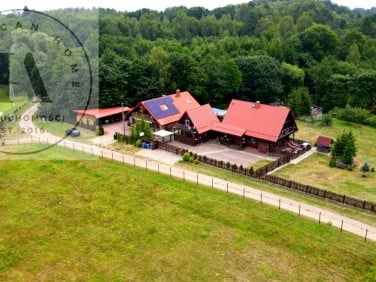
(187, 123)
(163, 107)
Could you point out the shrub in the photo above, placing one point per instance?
(371, 121)
(138, 143)
(373, 169)
(326, 120)
(332, 163)
(251, 170)
(196, 162)
(99, 131)
(365, 167)
(186, 157)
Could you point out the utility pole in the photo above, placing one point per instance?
(123, 118)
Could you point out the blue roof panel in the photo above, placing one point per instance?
(162, 107)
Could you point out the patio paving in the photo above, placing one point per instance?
(220, 152)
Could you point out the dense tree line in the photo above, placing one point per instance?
(293, 51)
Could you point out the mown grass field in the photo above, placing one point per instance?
(58, 129)
(103, 221)
(316, 172)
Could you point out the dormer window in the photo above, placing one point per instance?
(163, 107)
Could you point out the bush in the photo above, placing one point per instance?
(186, 157)
(350, 114)
(326, 120)
(99, 131)
(371, 121)
(251, 170)
(138, 143)
(365, 167)
(332, 163)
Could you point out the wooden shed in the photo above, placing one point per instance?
(324, 144)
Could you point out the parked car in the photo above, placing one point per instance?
(72, 132)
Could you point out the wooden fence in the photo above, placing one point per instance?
(261, 173)
(343, 199)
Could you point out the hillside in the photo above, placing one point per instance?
(98, 220)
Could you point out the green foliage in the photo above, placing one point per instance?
(365, 167)
(344, 148)
(350, 114)
(99, 130)
(332, 162)
(326, 120)
(371, 121)
(138, 143)
(262, 78)
(299, 101)
(186, 156)
(251, 170)
(140, 127)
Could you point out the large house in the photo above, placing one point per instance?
(252, 124)
(163, 112)
(262, 127)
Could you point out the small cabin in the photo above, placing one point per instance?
(324, 144)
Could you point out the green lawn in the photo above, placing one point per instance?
(316, 172)
(103, 221)
(58, 129)
(7, 105)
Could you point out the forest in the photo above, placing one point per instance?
(292, 52)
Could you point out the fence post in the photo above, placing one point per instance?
(299, 209)
(197, 179)
(279, 203)
(146, 164)
(261, 198)
(365, 237)
(227, 187)
(342, 225)
(243, 193)
(112, 156)
(134, 161)
(123, 159)
(170, 172)
(183, 175)
(320, 218)
(212, 182)
(83, 148)
(158, 168)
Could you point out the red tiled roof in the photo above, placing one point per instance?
(182, 101)
(259, 120)
(101, 113)
(203, 118)
(229, 129)
(324, 141)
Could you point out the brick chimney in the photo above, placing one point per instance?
(177, 93)
(258, 104)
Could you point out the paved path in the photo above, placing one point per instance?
(302, 209)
